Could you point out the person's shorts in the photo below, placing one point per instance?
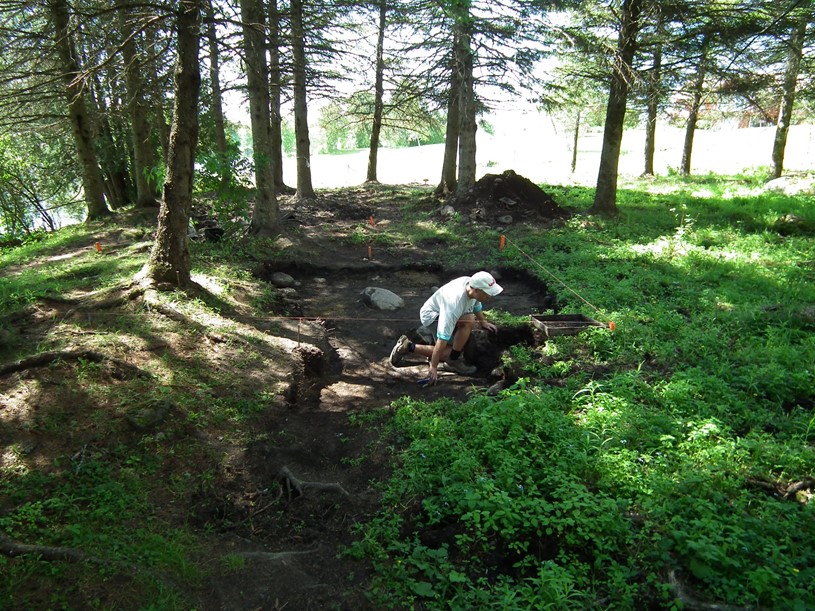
(428, 331)
(429, 325)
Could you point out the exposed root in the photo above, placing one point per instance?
(154, 304)
(107, 298)
(11, 548)
(293, 483)
(152, 301)
(795, 488)
(46, 358)
(778, 489)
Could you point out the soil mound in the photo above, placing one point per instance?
(508, 193)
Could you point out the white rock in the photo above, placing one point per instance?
(381, 299)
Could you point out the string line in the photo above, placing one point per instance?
(540, 265)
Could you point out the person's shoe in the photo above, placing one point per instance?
(400, 350)
(459, 366)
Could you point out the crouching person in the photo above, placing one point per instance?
(451, 313)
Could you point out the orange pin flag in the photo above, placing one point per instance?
(372, 220)
(98, 247)
(370, 252)
(612, 325)
(502, 243)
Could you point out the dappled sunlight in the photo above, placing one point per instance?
(576, 451)
(663, 247)
(211, 284)
(703, 193)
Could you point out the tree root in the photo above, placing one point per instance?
(275, 556)
(46, 358)
(293, 483)
(107, 298)
(795, 488)
(152, 301)
(11, 548)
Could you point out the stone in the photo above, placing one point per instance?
(149, 417)
(807, 314)
(283, 280)
(381, 299)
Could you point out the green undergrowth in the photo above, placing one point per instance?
(629, 469)
(102, 461)
(666, 463)
(98, 502)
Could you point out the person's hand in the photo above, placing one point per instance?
(433, 375)
(489, 326)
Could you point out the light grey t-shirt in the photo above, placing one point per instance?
(448, 304)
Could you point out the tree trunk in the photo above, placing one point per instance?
(696, 104)
(275, 88)
(216, 102)
(794, 54)
(575, 139)
(467, 118)
(605, 194)
(157, 94)
(170, 258)
(379, 93)
(265, 214)
(449, 168)
(144, 158)
(654, 95)
(81, 123)
(45, 215)
(305, 190)
(113, 155)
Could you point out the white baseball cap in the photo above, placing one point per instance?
(485, 282)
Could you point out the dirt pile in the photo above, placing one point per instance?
(496, 196)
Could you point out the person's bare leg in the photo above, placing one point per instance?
(464, 327)
(426, 351)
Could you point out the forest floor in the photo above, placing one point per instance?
(283, 496)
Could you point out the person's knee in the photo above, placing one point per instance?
(466, 321)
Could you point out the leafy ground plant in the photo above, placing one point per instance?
(672, 465)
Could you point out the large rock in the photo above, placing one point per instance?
(381, 299)
(283, 280)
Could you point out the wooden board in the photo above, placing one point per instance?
(563, 324)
